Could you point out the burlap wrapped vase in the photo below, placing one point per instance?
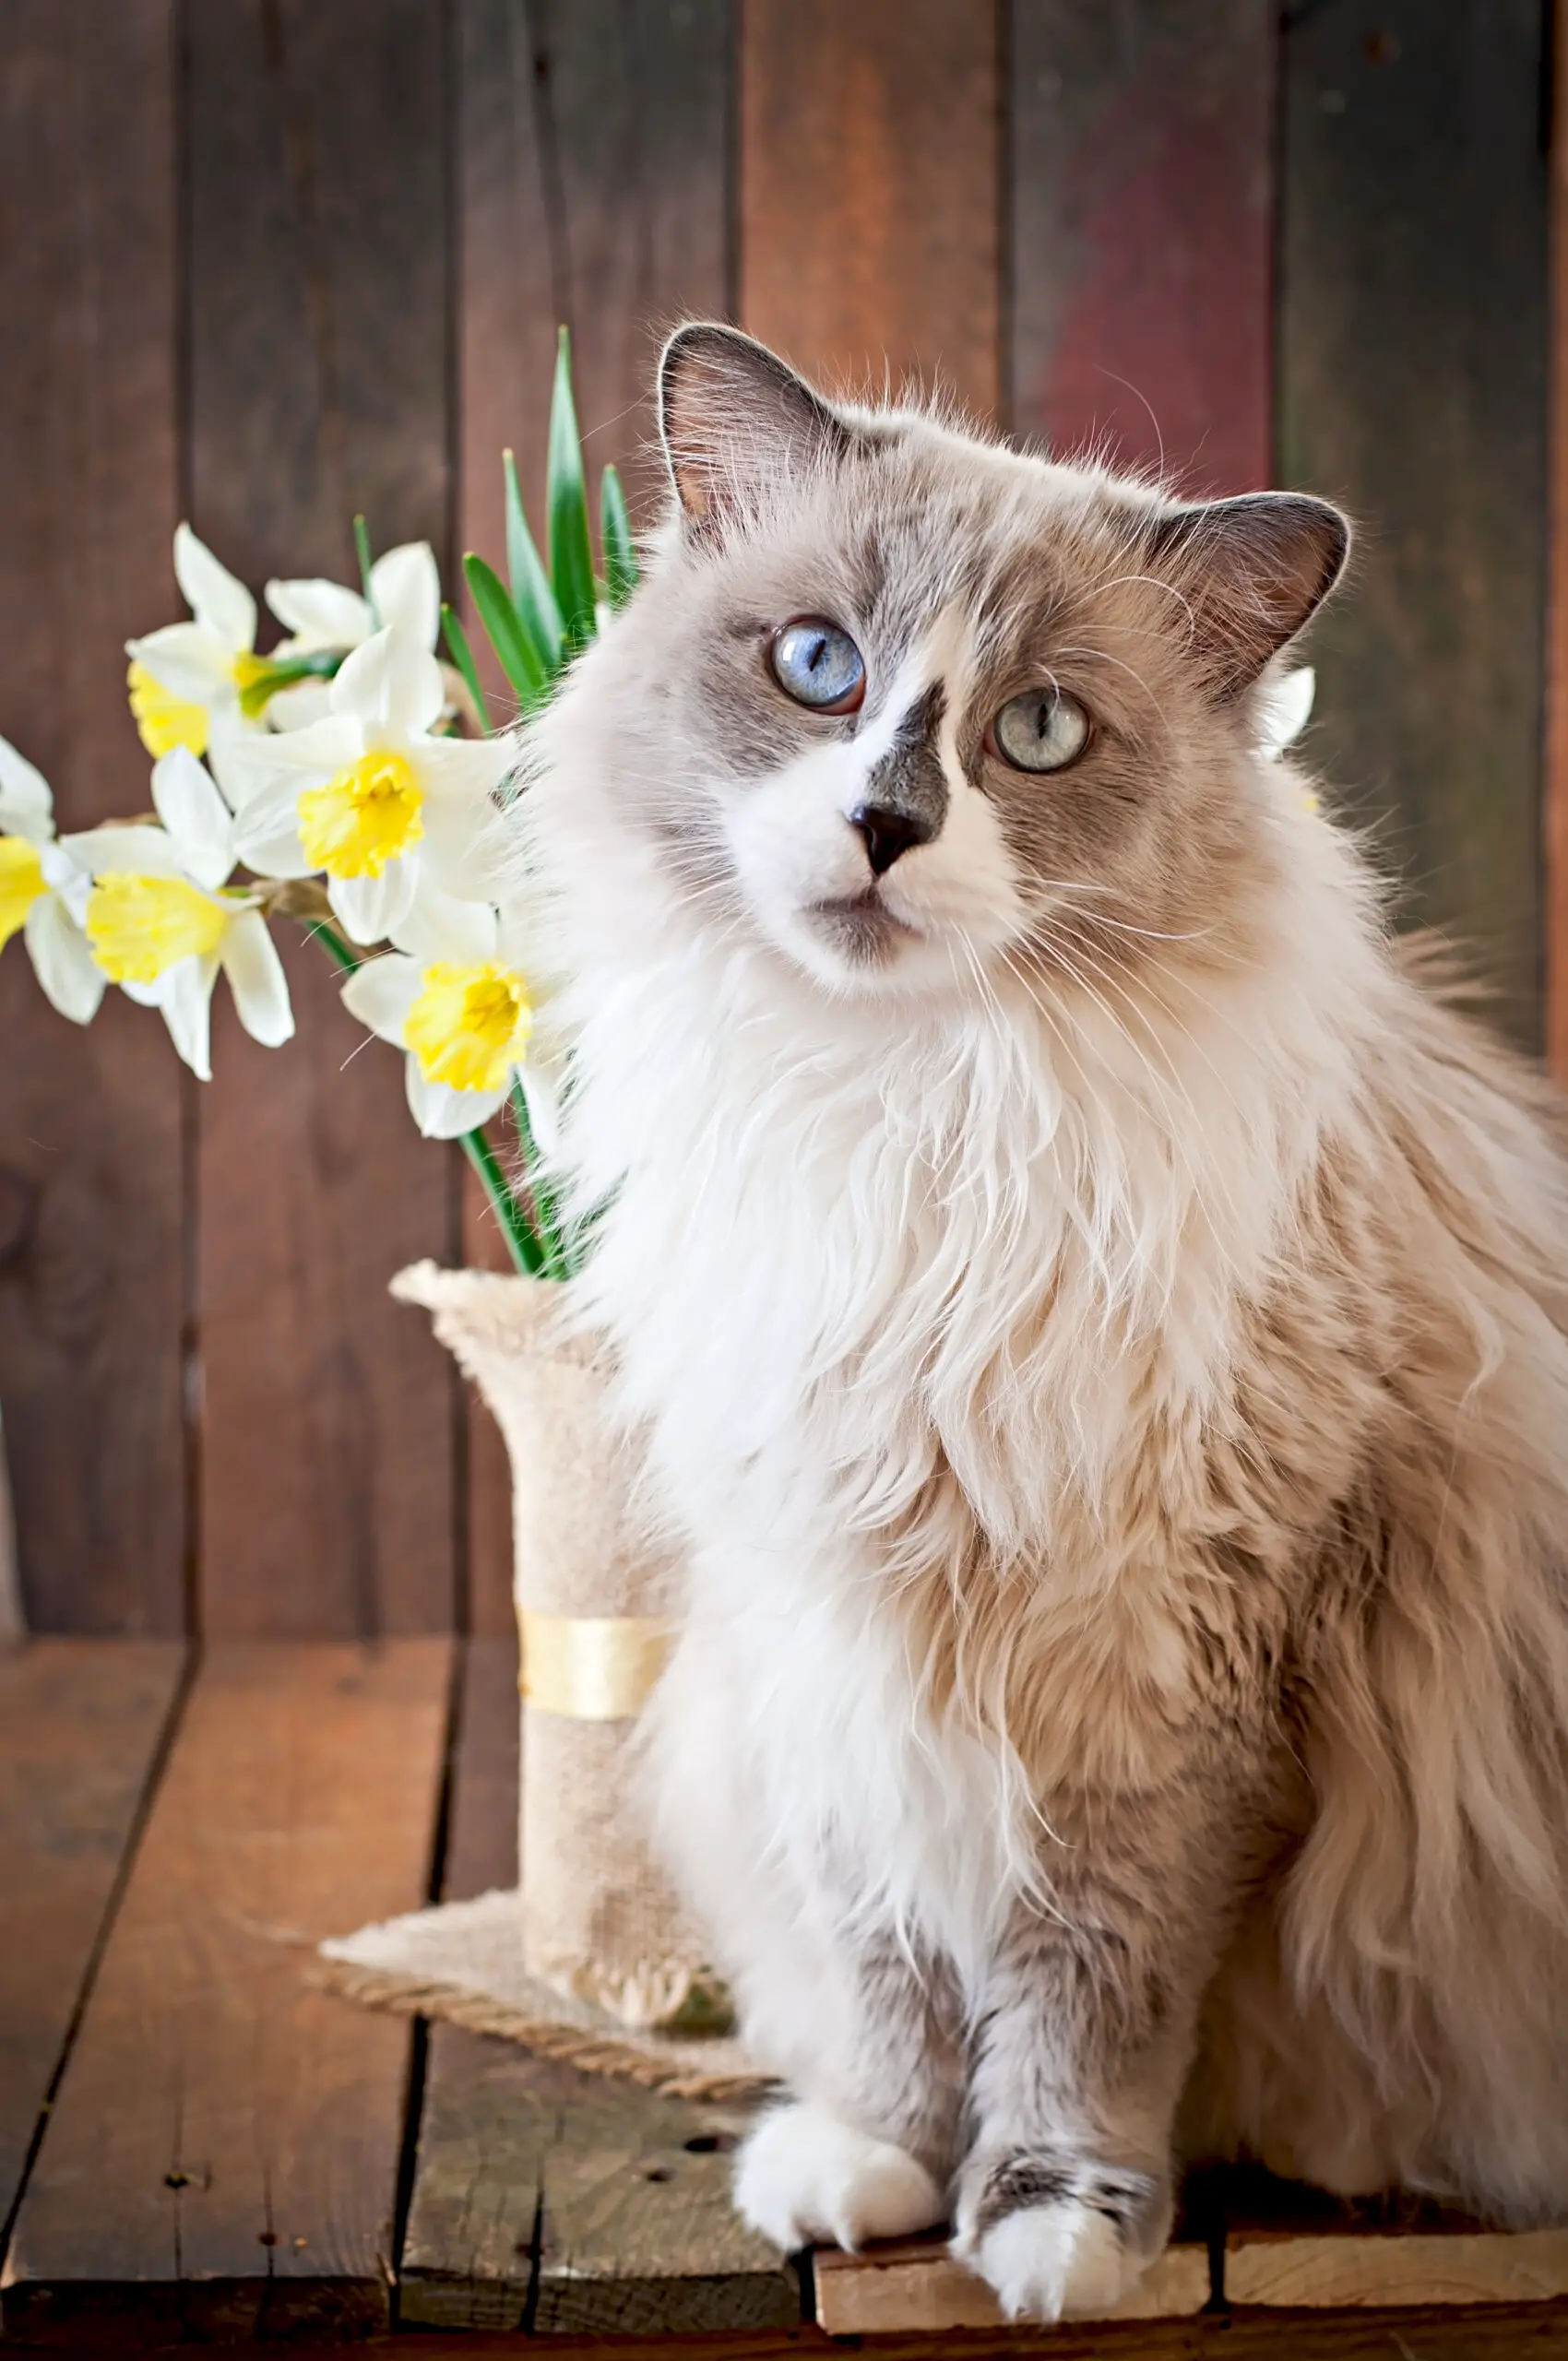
(598, 1922)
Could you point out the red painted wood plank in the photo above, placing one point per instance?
(868, 171)
(1141, 232)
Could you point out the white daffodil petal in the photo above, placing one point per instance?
(249, 959)
(309, 757)
(302, 707)
(218, 603)
(62, 961)
(382, 993)
(391, 687)
(319, 614)
(437, 926)
(151, 995)
(1285, 709)
(188, 661)
(371, 906)
(229, 741)
(187, 1002)
(67, 878)
(126, 851)
(406, 587)
(442, 1113)
(195, 816)
(272, 852)
(26, 807)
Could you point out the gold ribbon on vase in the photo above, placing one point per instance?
(591, 1668)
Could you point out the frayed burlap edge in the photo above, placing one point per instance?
(397, 1965)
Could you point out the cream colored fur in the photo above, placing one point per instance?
(1106, 1359)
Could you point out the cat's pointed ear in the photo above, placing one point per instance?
(734, 418)
(1251, 572)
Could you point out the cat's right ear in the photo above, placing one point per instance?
(735, 419)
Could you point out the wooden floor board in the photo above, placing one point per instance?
(571, 2201)
(223, 2154)
(80, 1724)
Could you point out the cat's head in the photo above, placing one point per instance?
(899, 700)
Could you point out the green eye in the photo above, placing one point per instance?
(818, 665)
(1042, 730)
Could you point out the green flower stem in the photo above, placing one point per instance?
(526, 1253)
(361, 550)
(559, 1262)
(525, 1250)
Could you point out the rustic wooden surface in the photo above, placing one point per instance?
(223, 2154)
(566, 2201)
(1141, 232)
(92, 1198)
(913, 2285)
(318, 296)
(870, 165)
(81, 1726)
(1555, 831)
(1413, 355)
(1292, 2247)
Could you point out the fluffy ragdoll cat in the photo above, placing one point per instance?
(1098, 1318)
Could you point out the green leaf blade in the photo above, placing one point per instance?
(571, 551)
(519, 658)
(532, 594)
(615, 538)
(462, 655)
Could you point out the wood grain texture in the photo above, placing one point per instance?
(224, 2152)
(81, 1726)
(1555, 831)
(1141, 229)
(913, 2285)
(319, 291)
(571, 2201)
(1413, 387)
(91, 1192)
(593, 158)
(1340, 2268)
(870, 237)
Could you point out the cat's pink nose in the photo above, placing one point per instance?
(887, 835)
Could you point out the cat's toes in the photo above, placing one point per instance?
(805, 2175)
(1055, 2262)
(1060, 2242)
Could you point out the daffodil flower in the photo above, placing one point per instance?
(368, 796)
(160, 924)
(186, 681)
(42, 893)
(456, 999)
(320, 617)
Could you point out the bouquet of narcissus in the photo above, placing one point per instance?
(343, 781)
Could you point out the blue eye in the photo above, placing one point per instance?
(818, 665)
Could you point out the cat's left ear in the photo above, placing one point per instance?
(734, 418)
(1251, 572)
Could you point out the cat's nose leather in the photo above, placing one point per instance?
(887, 834)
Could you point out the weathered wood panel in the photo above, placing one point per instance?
(869, 225)
(571, 2201)
(81, 1726)
(593, 156)
(1413, 346)
(92, 1198)
(914, 2283)
(1555, 832)
(224, 2152)
(1141, 230)
(318, 302)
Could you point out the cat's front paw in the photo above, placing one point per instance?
(1059, 2240)
(803, 2175)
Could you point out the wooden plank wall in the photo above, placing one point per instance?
(284, 259)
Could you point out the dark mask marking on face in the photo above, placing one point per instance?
(909, 780)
